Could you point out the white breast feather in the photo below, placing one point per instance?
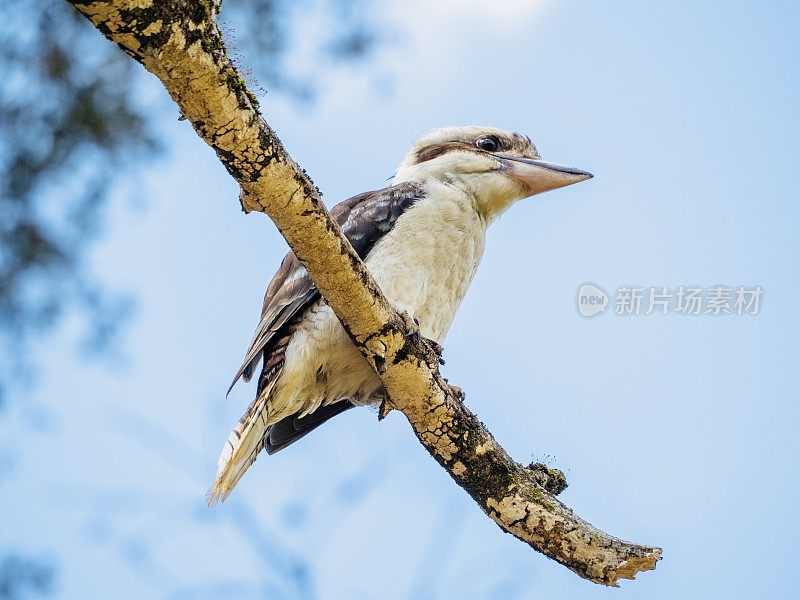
(424, 266)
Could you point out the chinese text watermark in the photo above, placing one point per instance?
(717, 300)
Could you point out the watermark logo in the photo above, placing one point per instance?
(592, 300)
(717, 300)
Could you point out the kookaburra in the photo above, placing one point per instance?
(422, 239)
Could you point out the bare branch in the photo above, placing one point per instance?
(179, 42)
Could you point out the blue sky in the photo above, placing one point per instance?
(674, 431)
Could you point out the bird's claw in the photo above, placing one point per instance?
(457, 391)
(412, 325)
(413, 333)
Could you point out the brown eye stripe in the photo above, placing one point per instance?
(435, 150)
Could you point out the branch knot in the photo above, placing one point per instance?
(552, 480)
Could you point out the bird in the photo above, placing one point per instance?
(422, 239)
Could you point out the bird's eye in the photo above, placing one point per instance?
(489, 144)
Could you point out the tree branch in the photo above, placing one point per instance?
(179, 42)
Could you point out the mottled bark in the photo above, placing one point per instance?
(179, 42)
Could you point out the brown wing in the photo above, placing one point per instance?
(364, 219)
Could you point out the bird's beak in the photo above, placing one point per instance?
(539, 175)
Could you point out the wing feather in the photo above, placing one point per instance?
(364, 219)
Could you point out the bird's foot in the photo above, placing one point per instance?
(457, 391)
(412, 325)
(413, 333)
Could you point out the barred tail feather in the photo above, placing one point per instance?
(241, 449)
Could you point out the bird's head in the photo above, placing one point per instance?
(494, 167)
